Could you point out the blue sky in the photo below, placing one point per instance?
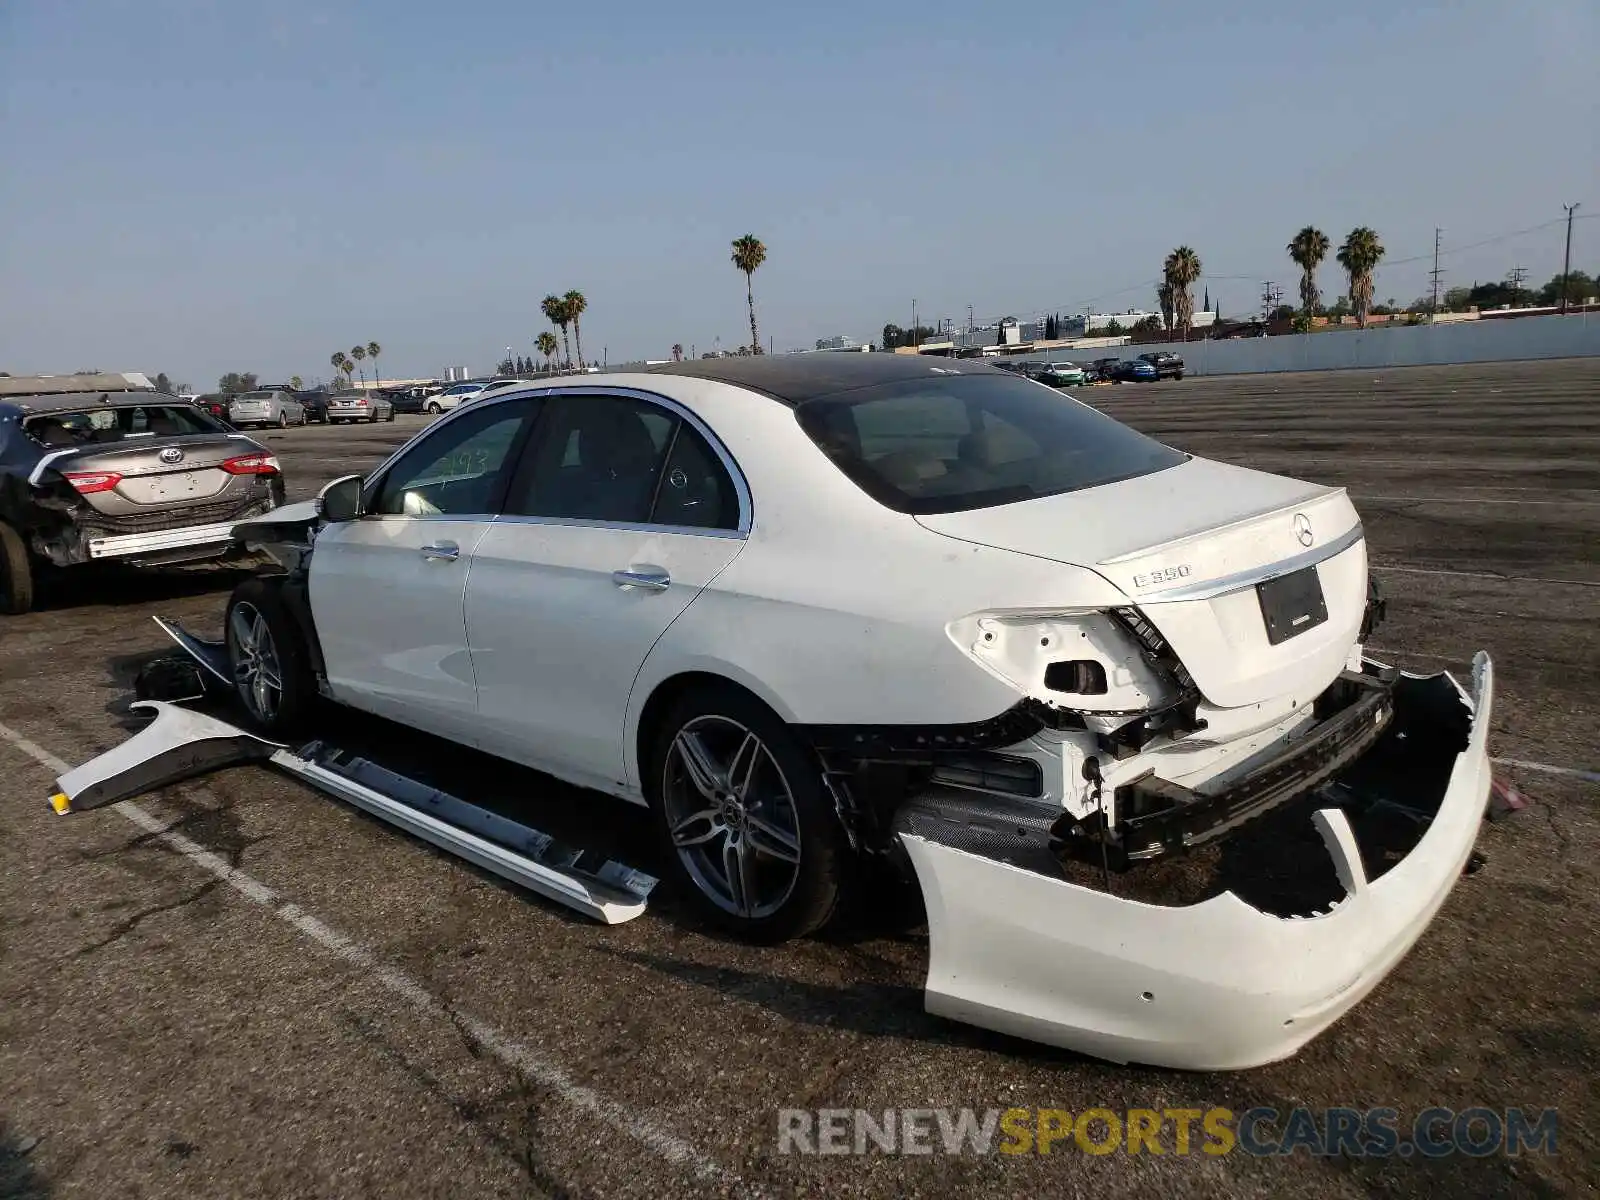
(198, 187)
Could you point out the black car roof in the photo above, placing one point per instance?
(797, 378)
(79, 401)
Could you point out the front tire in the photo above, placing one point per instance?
(16, 573)
(746, 827)
(268, 656)
(434, 410)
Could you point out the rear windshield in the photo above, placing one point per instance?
(956, 442)
(93, 427)
(256, 396)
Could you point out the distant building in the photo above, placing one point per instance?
(841, 342)
(1127, 320)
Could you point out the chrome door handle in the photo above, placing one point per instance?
(650, 581)
(448, 551)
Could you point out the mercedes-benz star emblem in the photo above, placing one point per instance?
(172, 455)
(1302, 529)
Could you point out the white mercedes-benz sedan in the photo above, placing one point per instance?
(821, 609)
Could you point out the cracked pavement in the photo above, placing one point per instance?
(161, 1035)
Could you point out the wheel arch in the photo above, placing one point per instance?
(652, 706)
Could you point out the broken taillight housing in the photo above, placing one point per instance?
(251, 464)
(89, 482)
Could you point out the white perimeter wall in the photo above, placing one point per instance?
(1572, 336)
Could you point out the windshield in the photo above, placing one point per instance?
(94, 427)
(952, 443)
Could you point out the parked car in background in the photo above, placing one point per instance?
(1060, 374)
(266, 407)
(1167, 364)
(1134, 370)
(213, 405)
(1103, 370)
(502, 385)
(353, 404)
(405, 400)
(139, 478)
(455, 395)
(316, 405)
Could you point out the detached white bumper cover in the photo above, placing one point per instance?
(166, 539)
(1218, 985)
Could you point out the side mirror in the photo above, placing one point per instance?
(341, 499)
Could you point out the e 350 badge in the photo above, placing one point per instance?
(1165, 575)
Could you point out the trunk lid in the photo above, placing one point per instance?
(159, 473)
(1189, 546)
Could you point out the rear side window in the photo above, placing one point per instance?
(958, 442)
(623, 460)
(101, 425)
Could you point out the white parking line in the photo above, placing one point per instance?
(514, 1054)
(1546, 768)
(1377, 566)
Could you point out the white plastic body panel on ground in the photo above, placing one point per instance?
(1218, 985)
(181, 743)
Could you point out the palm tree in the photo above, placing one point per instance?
(294, 382)
(1359, 256)
(677, 351)
(748, 254)
(1180, 272)
(358, 353)
(555, 311)
(373, 350)
(547, 345)
(1308, 249)
(341, 364)
(1164, 299)
(575, 304)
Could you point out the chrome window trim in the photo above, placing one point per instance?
(1209, 589)
(623, 526)
(540, 391)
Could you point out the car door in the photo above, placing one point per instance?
(387, 589)
(623, 509)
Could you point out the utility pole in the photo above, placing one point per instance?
(1514, 280)
(1433, 303)
(1566, 259)
(916, 337)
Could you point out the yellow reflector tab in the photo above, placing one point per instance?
(60, 803)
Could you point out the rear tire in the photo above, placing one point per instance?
(269, 658)
(283, 420)
(16, 573)
(755, 846)
(390, 417)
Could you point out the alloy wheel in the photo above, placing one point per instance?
(256, 667)
(732, 817)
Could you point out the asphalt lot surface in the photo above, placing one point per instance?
(385, 1020)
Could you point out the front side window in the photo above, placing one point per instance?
(457, 470)
(958, 442)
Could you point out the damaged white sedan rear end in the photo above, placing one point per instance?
(1106, 701)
